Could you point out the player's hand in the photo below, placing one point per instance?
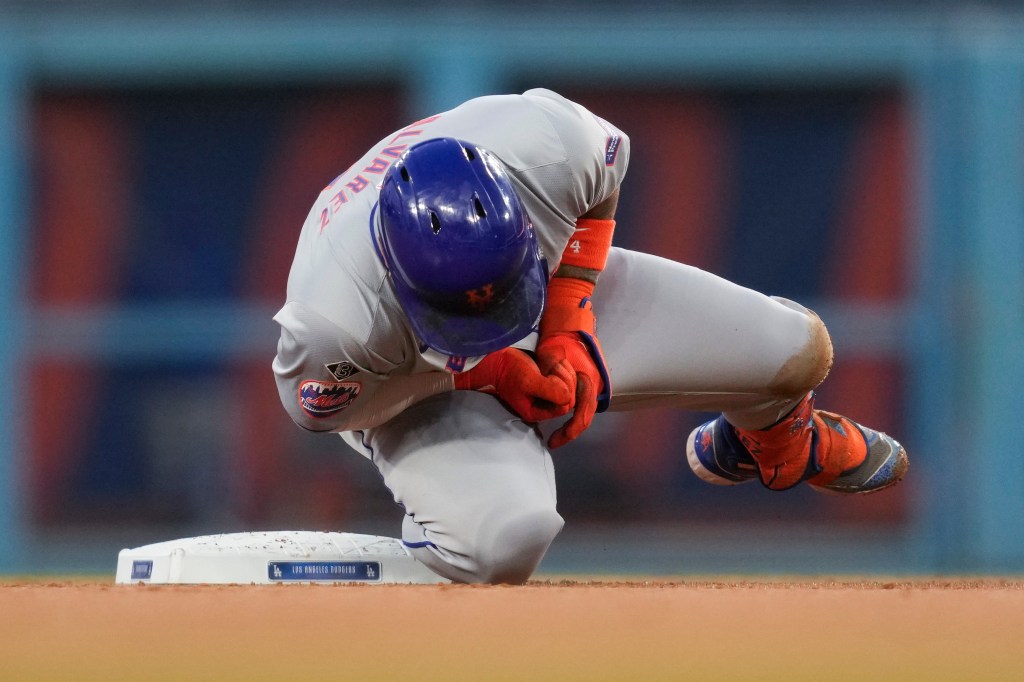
(515, 379)
(564, 355)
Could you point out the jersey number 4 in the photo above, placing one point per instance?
(575, 246)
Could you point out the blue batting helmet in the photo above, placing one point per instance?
(460, 248)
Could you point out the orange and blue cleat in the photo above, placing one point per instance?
(827, 451)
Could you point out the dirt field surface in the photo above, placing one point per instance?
(554, 630)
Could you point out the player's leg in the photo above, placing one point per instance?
(476, 483)
(676, 335)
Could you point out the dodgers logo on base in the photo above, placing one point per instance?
(324, 571)
(142, 570)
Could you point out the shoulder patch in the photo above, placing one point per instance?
(611, 147)
(321, 399)
(341, 370)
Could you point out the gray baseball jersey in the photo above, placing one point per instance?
(347, 358)
(477, 483)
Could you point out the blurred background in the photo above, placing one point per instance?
(157, 160)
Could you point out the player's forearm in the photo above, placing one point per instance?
(314, 406)
(396, 394)
(585, 255)
(568, 334)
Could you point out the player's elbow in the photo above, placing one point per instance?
(309, 423)
(317, 410)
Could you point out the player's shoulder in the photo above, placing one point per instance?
(514, 111)
(309, 326)
(375, 344)
(539, 127)
(585, 135)
(547, 94)
(557, 105)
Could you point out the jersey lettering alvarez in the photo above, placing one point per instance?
(341, 310)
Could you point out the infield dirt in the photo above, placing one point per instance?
(557, 630)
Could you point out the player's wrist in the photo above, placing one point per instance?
(568, 308)
(589, 245)
(485, 373)
(569, 312)
(575, 272)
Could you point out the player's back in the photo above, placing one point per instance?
(555, 152)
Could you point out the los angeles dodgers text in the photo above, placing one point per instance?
(329, 569)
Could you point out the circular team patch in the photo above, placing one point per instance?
(323, 398)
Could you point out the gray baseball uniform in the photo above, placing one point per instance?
(476, 483)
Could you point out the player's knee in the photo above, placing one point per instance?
(515, 546)
(811, 364)
(506, 548)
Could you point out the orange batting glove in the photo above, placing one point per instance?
(564, 354)
(515, 379)
(568, 337)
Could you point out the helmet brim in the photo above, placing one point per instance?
(474, 334)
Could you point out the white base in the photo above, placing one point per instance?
(263, 558)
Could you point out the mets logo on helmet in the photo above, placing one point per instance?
(480, 298)
(323, 398)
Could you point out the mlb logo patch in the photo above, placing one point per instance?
(341, 370)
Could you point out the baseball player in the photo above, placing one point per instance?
(441, 313)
